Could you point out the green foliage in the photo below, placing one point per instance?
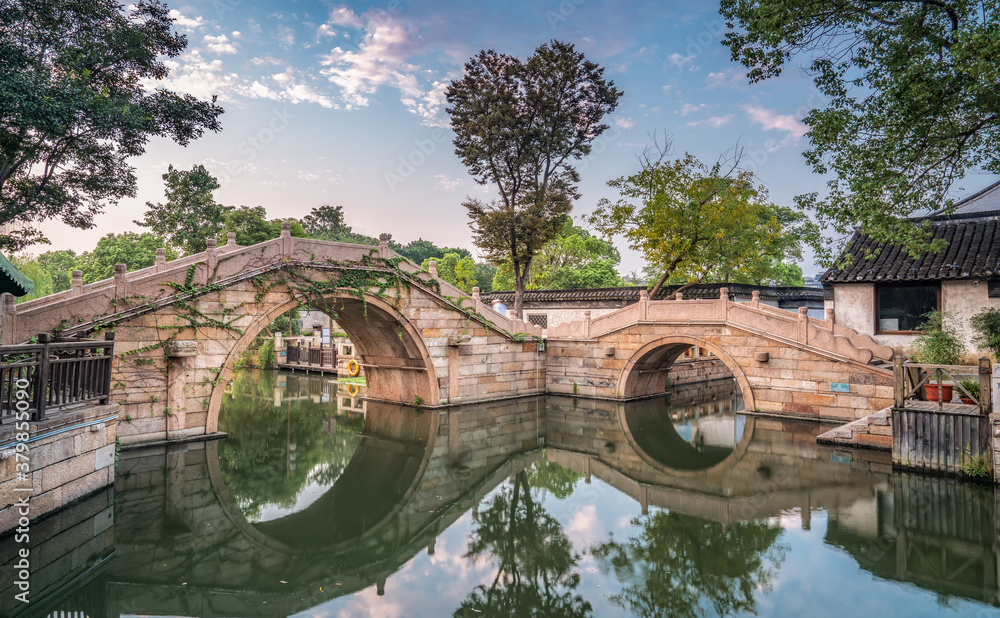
(972, 386)
(517, 129)
(978, 467)
(911, 104)
(77, 104)
(327, 223)
(60, 266)
(190, 213)
(456, 270)
(535, 562)
(937, 343)
(417, 251)
(266, 356)
(129, 248)
(484, 276)
(573, 259)
(682, 566)
(986, 325)
(251, 226)
(696, 222)
(31, 268)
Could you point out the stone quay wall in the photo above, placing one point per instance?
(69, 455)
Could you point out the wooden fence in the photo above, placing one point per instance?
(939, 435)
(40, 377)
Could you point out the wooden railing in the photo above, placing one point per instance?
(40, 377)
(911, 378)
(314, 357)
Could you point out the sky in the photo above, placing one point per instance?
(343, 104)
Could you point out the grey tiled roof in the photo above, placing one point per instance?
(973, 252)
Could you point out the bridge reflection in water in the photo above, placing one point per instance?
(308, 501)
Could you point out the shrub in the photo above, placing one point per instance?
(937, 344)
(266, 355)
(986, 324)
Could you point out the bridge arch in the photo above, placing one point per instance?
(395, 357)
(645, 373)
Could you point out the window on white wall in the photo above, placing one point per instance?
(903, 308)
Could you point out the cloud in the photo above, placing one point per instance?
(443, 181)
(194, 75)
(344, 16)
(680, 62)
(729, 78)
(220, 44)
(624, 123)
(185, 22)
(770, 120)
(285, 35)
(688, 108)
(712, 121)
(325, 31)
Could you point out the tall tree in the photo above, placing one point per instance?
(75, 92)
(912, 99)
(133, 250)
(190, 213)
(696, 222)
(520, 126)
(251, 226)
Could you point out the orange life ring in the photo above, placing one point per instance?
(353, 389)
(353, 368)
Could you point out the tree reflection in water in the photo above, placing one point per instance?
(273, 452)
(679, 565)
(534, 559)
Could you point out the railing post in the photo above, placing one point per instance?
(724, 300)
(899, 381)
(42, 377)
(985, 386)
(76, 284)
(211, 259)
(586, 324)
(121, 282)
(383, 245)
(804, 324)
(755, 299)
(108, 367)
(643, 304)
(161, 260)
(286, 239)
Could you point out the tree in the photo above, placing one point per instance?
(327, 223)
(59, 265)
(696, 222)
(573, 259)
(31, 268)
(912, 106)
(520, 125)
(680, 565)
(251, 226)
(484, 276)
(190, 213)
(456, 270)
(129, 248)
(417, 251)
(77, 101)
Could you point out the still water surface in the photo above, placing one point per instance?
(320, 504)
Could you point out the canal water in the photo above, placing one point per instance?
(321, 504)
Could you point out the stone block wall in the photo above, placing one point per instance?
(70, 455)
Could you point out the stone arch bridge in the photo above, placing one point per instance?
(181, 326)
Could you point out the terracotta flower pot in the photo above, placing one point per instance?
(967, 401)
(947, 392)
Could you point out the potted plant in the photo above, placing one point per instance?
(972, 386)
(938, 345)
